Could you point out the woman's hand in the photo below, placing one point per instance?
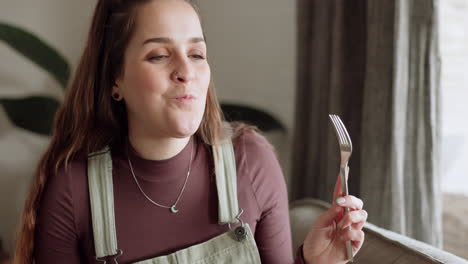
(326, 241)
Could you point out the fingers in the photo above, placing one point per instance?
(328, 217)
(355, 218)
(356, 236)
(335, 213)
(350, 201)
(353, 235)
(358, 225)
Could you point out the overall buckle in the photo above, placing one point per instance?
(111, 258)
(240, 231)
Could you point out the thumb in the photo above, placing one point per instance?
(337, 190)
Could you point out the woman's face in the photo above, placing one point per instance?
(166, 75)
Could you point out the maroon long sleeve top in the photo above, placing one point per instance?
(64, 229)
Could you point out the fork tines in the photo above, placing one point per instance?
(343, 137)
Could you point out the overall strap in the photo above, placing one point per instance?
(102, 195)
(226, 182)
(102, 203)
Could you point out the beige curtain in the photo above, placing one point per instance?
(376, 64)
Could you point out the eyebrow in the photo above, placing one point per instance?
(169, 40)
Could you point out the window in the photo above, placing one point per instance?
(454, 115)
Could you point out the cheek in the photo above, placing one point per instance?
(146, 79)
(142, 78)
(205, 79)
(143, 89)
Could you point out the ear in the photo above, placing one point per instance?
(115, 86)
(115, 89)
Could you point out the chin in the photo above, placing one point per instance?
(182, 134)
(185, 129)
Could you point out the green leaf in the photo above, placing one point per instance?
(34, 113)
(37, 51)
(263, 120)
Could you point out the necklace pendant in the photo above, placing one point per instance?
(174, 210)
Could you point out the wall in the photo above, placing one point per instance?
(252, 49)
(62, 24)
(252, 54)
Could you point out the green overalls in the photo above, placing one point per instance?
(235, 246)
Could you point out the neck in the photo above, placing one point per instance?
(152, 148)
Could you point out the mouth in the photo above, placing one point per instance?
(185, 97)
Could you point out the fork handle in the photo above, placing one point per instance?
(344, 188)
(344, 180)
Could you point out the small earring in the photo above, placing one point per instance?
(116, 96)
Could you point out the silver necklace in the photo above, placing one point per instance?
(173, 207)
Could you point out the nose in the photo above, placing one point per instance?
(183, 72)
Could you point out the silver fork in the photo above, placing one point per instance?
(346, 148)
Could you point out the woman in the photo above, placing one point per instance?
(140, 161)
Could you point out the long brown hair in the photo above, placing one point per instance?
(89, 119)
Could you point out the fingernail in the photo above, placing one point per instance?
(340, 200)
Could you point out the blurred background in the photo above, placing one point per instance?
(299, 61)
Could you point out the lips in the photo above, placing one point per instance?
(185, 97)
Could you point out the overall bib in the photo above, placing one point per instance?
(235, 246)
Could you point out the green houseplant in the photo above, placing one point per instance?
(36, 113)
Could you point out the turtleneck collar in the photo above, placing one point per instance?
(171, 169)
